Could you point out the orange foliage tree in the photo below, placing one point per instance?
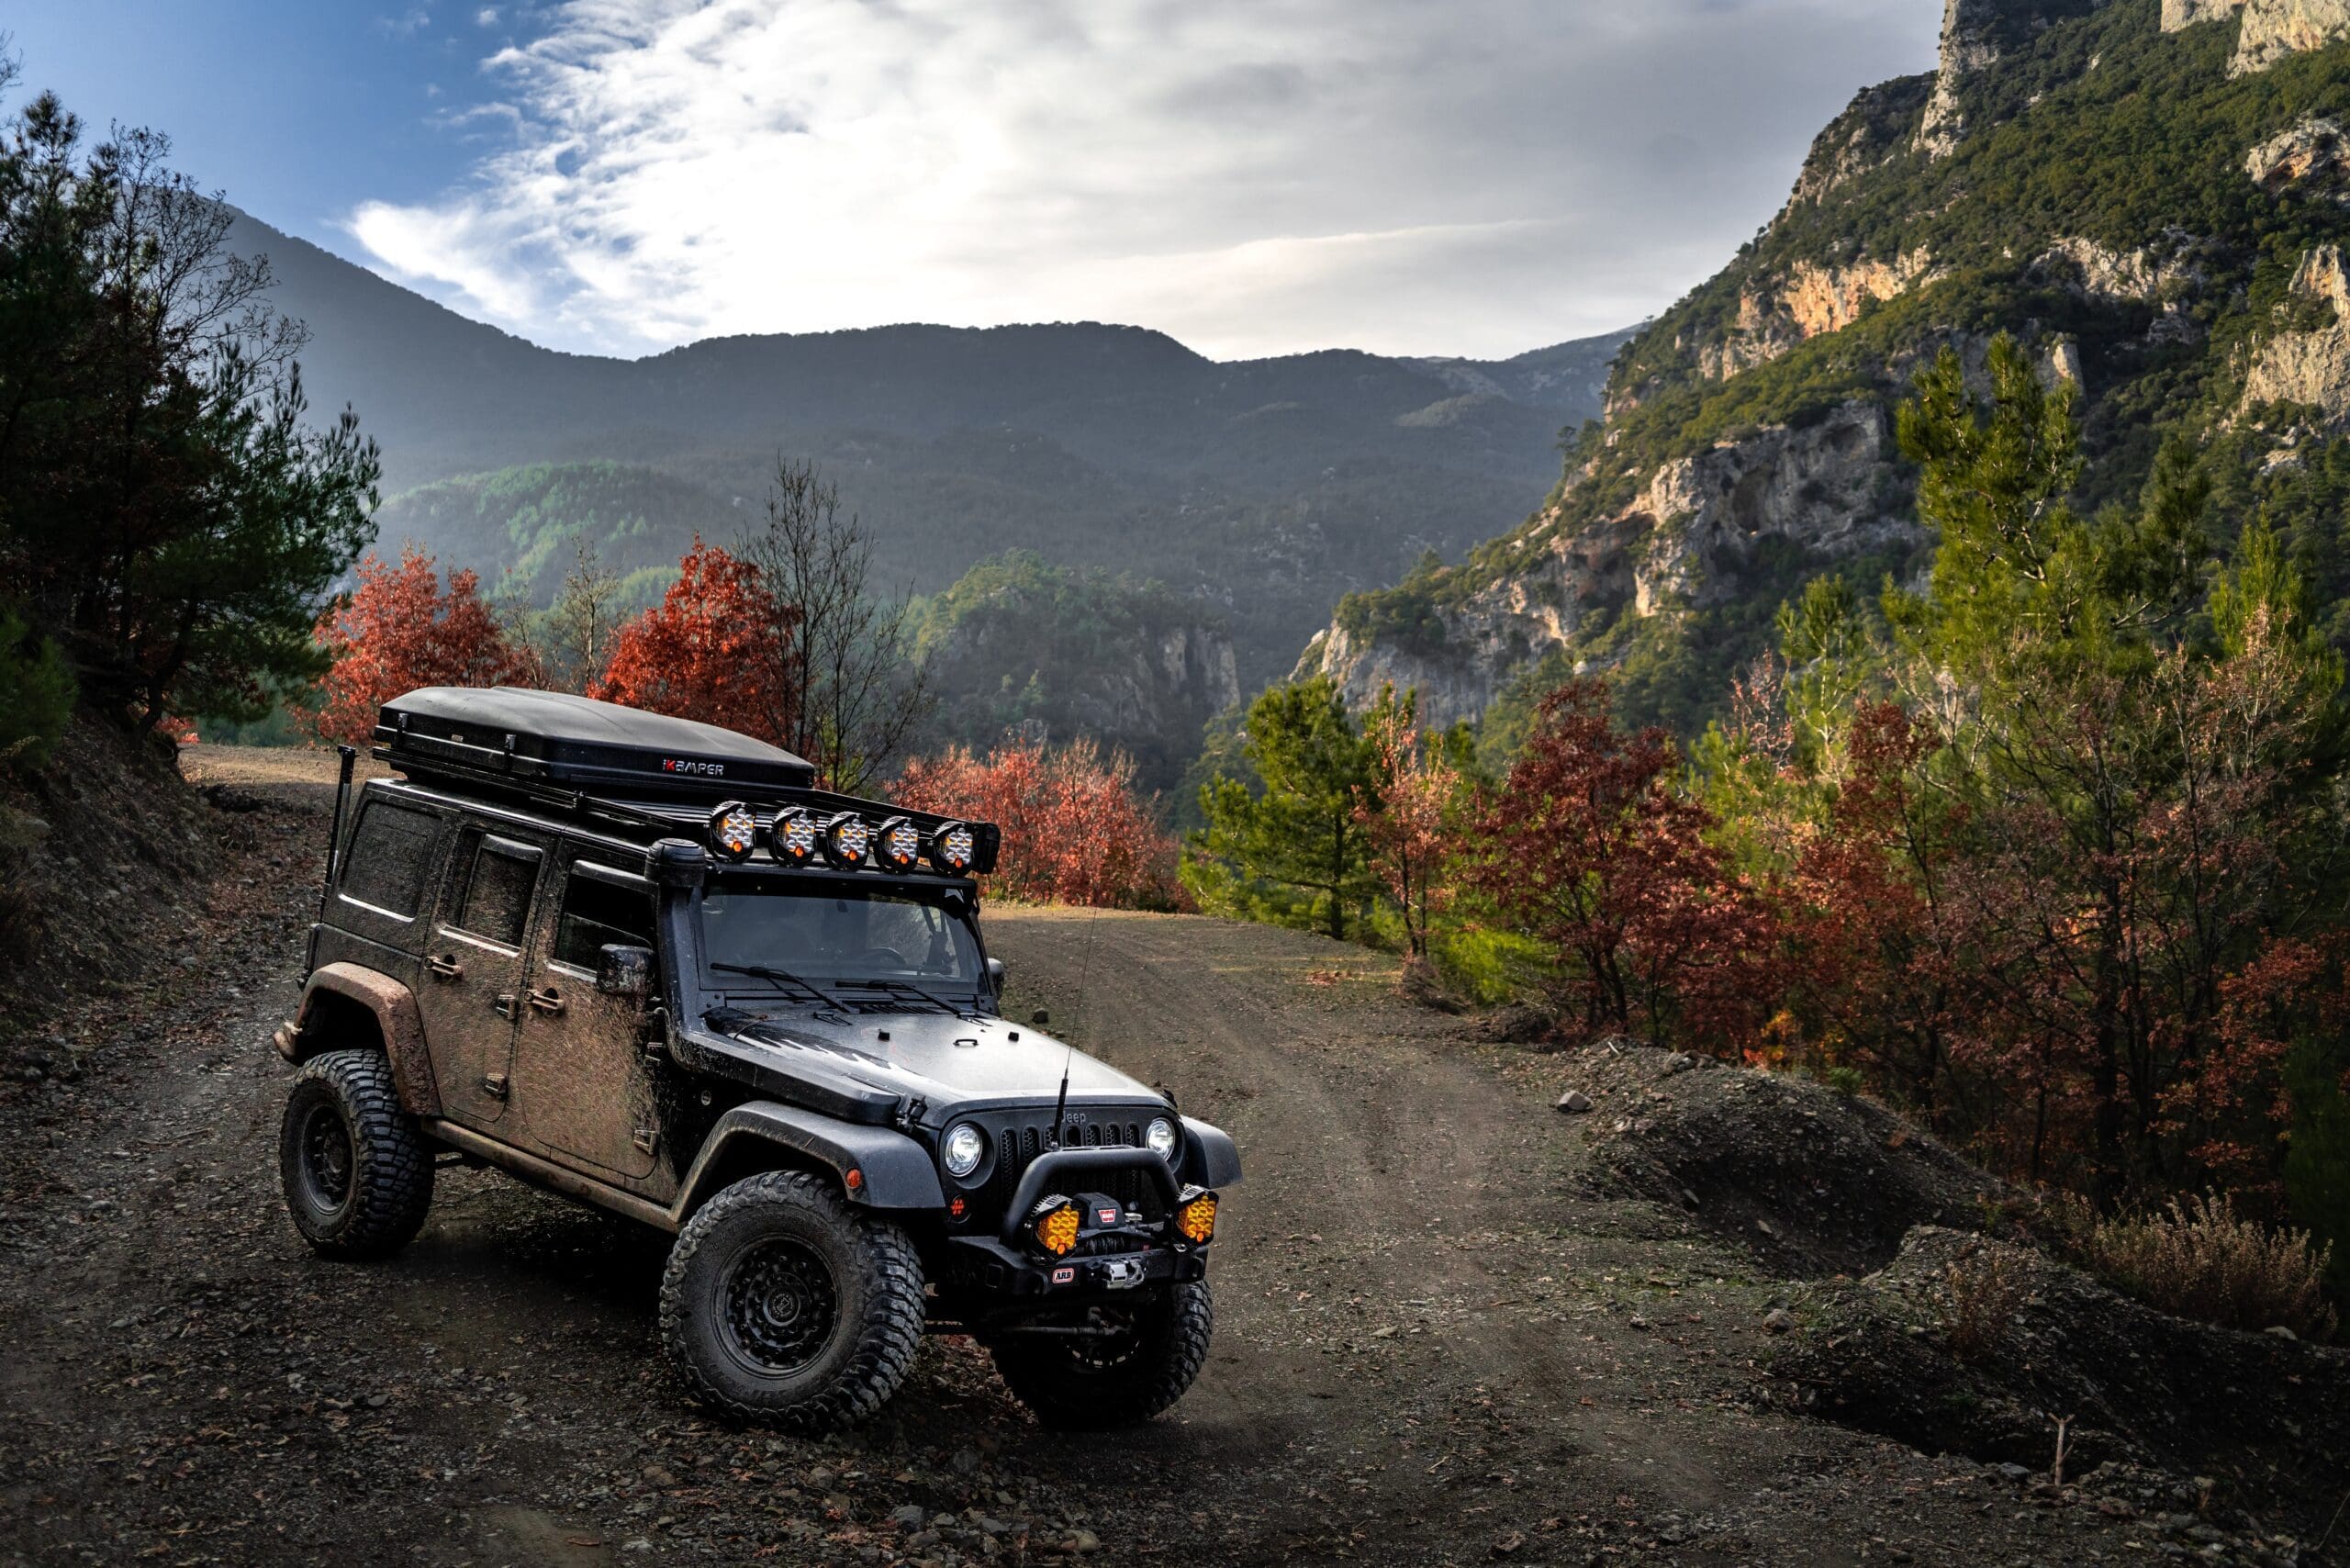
(1407, 812)
(1075, 830)
(717, 648)
(397, 630)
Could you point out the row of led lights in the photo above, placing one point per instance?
(845, 840)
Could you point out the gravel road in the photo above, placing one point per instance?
(1428, 1349)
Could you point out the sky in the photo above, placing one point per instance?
(1254, 177)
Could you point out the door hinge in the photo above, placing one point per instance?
(647, 1138)
(494, 1085)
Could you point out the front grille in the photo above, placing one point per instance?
(1019, 1142)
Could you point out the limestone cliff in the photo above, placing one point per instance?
(2273, 29)
(2309, 364)
(2086, 176)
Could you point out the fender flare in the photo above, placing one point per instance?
(895, 1171)
(393, 1005)
(1209, 1157)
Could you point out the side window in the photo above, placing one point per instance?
(489, 883)
(390, 854)
(600, 906)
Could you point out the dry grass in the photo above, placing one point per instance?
(2199, 1258)
(1986, 1288)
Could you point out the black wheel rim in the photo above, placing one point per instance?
(326, 1157)
(777, 1306)
(1116, 1341)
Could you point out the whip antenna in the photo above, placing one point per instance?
(1084, 971)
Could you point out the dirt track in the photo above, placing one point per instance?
(1426, 1350)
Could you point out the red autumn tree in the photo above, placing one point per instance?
(1075, 830)
(717, 648)
(398, 630)
(1588, 847)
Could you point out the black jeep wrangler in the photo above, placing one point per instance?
(644, 963)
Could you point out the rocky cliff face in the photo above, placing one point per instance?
(1975, 34)
(2274, 29)
(2310, 160)
(2309, 364)
(1748, 437)
(1683, 542)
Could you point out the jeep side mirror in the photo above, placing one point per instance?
(622, 970)
(995, 977)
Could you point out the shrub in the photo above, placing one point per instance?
(37, 693)
(1986, 1288)
(2199, 1258)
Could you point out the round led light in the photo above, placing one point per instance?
(963, 1148)
(1053, 1223)
(733, 830)
(953, 847)
(897, 843)
(1160, 1136)
(793, 837)
(848, 839)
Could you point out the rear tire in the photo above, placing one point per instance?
(1091, 1386)
(357, 1171)
(783, 1305)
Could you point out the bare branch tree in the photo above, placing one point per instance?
(858, 689)
(578, 630)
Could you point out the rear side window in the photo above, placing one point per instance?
(491, 878)
(391, 852)
(598, 909)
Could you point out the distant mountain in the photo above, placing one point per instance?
(1264, 489)
(2155, 199)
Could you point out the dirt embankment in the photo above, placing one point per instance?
(1917, 1308)
(1454, 1325)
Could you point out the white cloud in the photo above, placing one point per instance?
(487, 17)
(1254, 176)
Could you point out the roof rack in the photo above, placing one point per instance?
(645, 772)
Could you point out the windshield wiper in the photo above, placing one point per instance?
(781, 977)
(912, 990)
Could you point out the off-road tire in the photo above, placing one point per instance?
(853, 1362)
(1051, 1376)
(368, 1197)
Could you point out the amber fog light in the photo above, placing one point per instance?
(1054, 1225)
(1196, 1218)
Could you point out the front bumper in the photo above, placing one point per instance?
(981, 1266)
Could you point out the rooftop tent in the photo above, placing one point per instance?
(551, 738)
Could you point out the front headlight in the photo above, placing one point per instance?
(1161, 1139)
(961, 1152)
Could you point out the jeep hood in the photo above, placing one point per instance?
(950, 1063)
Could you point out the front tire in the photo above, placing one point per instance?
(357, 1171)
(1121, 1379)
(783, 1305)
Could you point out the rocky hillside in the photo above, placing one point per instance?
(2152, 195)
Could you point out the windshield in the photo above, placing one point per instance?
(834, 933)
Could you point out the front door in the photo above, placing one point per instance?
(584, 1081)
(474, 972)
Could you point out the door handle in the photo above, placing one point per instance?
(547, 1001)
(446, 967)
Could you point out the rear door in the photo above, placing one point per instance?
(581, 1073)
(475, 968)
